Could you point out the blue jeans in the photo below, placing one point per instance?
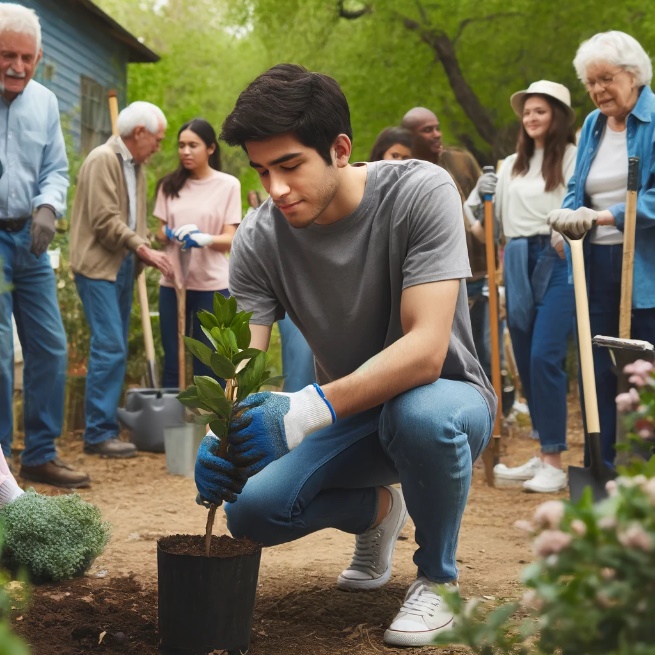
(604, 280)
(33, 301)
(540, 353)
(297, 357)
(426, 438)
(107, 306)
(195, 301)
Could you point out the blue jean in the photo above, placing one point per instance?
(540, 353)
(195, 301)
(107, 306)
(33, 301)
(603, 267)
(297, 357)
(426, 438)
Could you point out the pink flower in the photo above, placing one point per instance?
(627, 402)
(578, 527)
(551, 542)
(532, 601)
(640, 372)
(635, 537)
(549, 514)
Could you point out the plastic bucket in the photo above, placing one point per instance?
(181, 445)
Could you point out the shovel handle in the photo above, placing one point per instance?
(627, 267)
(584, 337)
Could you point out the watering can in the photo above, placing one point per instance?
(147, 413)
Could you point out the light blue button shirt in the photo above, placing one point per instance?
(33, 154)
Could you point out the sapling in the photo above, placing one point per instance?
(51, 537)
(231, 358)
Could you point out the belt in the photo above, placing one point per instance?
(13, 224)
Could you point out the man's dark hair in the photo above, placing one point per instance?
(288, 99)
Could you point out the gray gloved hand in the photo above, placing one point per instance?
(43, 229)
(572, 223)
(486, 185)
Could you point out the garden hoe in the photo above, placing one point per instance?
(598, 474)
(625, 350)
(492, 451)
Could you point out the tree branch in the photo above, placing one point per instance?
(482, 19)
(444, 49)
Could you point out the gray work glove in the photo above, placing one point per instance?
(42, 231)
(486, 185)
(572, 223)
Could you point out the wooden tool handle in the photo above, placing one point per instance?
(490, 250)
(145, 318)
(113, 111)
(181, 325)
(627, 268)
(584, 337)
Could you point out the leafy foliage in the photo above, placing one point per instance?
(52, 537)
(12, 596)
(592, 588)
(228, 330)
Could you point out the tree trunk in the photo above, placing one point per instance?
(444, 49)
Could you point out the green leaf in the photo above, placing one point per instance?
(200, 350)
(218, 427)
(231, 305)
(211, 338)
(189, 398)
(222, 366)
(273, 382)
(207, 319)
(248, 353)
(231, 340)
(211, 393)
(243, 335)
(204, 419)
(219, 308)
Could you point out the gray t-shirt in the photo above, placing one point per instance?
(341, 284)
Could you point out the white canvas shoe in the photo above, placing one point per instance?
(548, 479)
(371, 564)
(526, 471)
(422, 616)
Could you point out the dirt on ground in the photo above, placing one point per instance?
(299, 610)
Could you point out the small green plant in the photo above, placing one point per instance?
(244, 369)
(51, 537)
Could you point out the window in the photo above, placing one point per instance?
(95, 122)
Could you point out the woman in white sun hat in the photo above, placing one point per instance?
(539, 295)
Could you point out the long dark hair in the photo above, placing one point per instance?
(173, 182)
(560, 133)
(390, 136)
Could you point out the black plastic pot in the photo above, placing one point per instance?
(205, 603)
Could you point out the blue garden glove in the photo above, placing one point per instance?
(217, 479)
(268, 425)
(190, 236)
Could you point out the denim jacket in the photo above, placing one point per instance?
(641, 141)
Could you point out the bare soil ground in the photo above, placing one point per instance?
(299, 610)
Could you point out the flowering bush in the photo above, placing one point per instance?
(592, 587)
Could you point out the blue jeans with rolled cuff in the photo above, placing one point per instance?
(33, 302)
(540, 352)
(107, 307)
(426, 438)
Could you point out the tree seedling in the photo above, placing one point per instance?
(243, 368)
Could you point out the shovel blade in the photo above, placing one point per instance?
(580, 478)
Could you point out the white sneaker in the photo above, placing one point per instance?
(547, 480)
(422, 616)
(525, 472)
(371, 564)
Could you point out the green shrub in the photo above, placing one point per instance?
(52, 537)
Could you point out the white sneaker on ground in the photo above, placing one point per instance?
(371, 564)
(526, 471)
(422, 616)
(547, 480)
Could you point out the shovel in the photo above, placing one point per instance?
(598, 474)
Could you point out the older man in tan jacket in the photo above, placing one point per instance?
(108, 248)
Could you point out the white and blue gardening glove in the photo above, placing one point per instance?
(268, 425)
(190, 236)
(217, 479)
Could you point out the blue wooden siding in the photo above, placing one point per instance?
(76, 43)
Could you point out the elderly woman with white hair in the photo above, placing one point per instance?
(617, 72)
